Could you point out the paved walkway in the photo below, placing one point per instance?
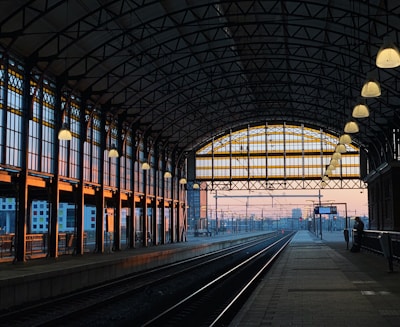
(321, 283)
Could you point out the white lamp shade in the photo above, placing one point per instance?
(196, 186)
(145, 166)
(345, 139)
(167, 174)
(113, 153)
(336, 156)
(65, 134)
(351, 127)
(341, 148)
(183, 180)
(331, 167)
(371, 89)
(360, 111)
(388, 55)
(334, 162)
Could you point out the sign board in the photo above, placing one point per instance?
(326, 210)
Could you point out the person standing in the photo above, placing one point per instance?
(359, 227)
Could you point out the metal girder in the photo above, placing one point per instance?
(278, 184)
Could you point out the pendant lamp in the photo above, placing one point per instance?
(371, 88)
(360, 111)
(336, 156)
(145, 166)
(345, 139)
(113, 153)
(351, 127)
(64, 134)
(341, 148)
(388, 55)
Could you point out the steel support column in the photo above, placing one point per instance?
(100, 192)
(79, 191)
(22, 217)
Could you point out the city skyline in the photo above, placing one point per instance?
(278, 204)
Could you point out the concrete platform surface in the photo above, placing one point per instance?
(319, 282)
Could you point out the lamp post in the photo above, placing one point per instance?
(313, 215)
(320, 215)
(247, 207)
(216, 212)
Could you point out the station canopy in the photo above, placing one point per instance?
(186, 73)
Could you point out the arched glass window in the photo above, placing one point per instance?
(272, 153)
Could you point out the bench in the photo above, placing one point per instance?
(202, 232)
(6, 244)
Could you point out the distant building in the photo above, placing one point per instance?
(296, 213)
(40, 213)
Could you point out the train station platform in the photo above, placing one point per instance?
(43, 278)
(319, 282)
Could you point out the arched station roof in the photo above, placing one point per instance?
(187, 71)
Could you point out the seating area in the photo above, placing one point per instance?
(6, 245)
(37, 244)
(202, 232)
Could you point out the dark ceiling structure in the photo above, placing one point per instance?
(185, 71)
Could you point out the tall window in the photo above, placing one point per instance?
(111, 163)
(41, 128)
(74, 143)
(3, 88)
(92, 148)
(126, 163)
(14, 117)
(48, 129)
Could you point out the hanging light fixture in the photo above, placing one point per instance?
(167, 174)
(336, 156)
(113, 153)
(183, 181)
(360, 111)
(328, 171)
(145, 166)
(64, 134)
(351, 127)
(196, 186)
(340, 148)
(334, 162)
(345, 139)
(371, 88)
(388, 55)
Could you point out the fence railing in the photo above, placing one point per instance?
(37, 244)
(6, 245)
(385, 243)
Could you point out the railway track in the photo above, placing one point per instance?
(216, 303)
(159, 296)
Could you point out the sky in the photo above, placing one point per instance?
(279, 203)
